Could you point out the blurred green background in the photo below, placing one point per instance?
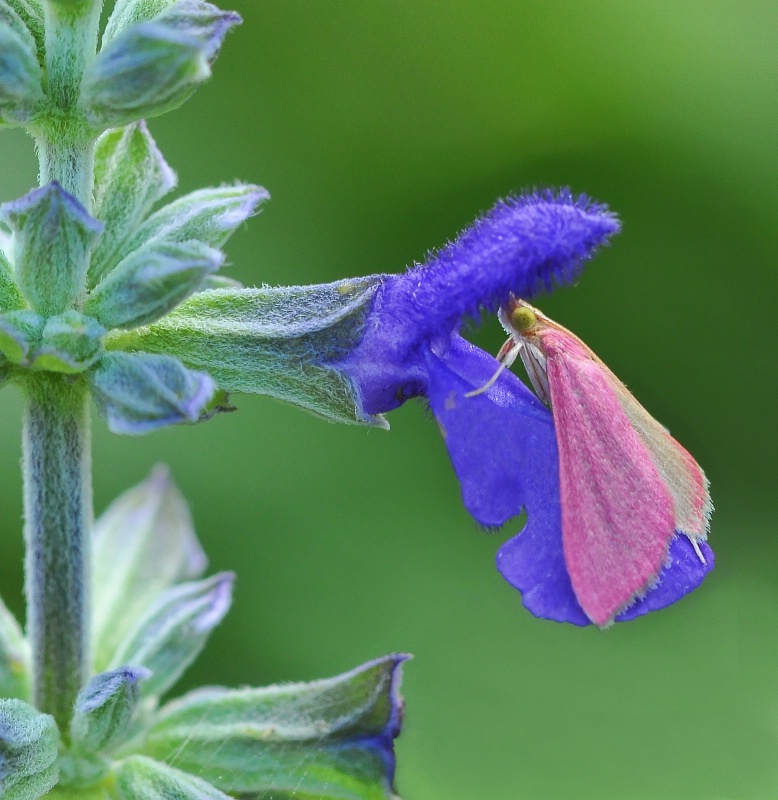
(381, 129)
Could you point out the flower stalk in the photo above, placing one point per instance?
(58, 516)
(65, 143)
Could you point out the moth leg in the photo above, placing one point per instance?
(697, 549)
(507, 355)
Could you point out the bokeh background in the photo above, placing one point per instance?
(381, 130)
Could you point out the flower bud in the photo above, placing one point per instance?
(131, 175)
(138, 393)
(154, 66)
(54, 236)
(105, 707)
(150, 282)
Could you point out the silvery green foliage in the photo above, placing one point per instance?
(141, 282)
(140, 778)
(141, 393)
(20, 333)
(29, 743)
(143, 564)
(255, 740)
(153, 65)
(150, 282)
(326, 739)
(274, 341)
(21, 89)
(30, 14)
(124, 299)
(51, 229)
(130, 177)
(11, 298)
(105, 708)
(68, 342)
(175, 629)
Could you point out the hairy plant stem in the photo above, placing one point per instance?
(56, 444)
(65, 143)
(57, 527)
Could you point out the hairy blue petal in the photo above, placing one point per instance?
(533, 562)
(524, 244)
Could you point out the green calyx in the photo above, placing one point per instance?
(68, 343)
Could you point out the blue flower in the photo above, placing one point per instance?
(502, 442)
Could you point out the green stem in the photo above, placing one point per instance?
(65, 144)
(57, 526)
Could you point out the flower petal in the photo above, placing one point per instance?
(501, 442)
(533, 562)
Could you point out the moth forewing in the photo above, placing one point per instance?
(684, 476)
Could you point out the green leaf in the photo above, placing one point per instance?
(130, 177)
(11, 298)
(330, 739)
(29, 743)
(20, 335)
(30, 13)
(147, 70)
(20, 70)
(175, 629)
(155, 64)
(137, 394)
(53, 241)
(144, 543)
(139, 778)
(131, 12)
(273, 341)
(150, 282)
(70, 343)
(210, 216)
(105, 707)
(14, 658)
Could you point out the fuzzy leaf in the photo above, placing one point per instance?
(175, 629)
(70, 343)
(139, 778)
(20, 335)
(130, 177)
(204, 21)
(30, 14)
(54, 237)
(155, 65)
(131, 12)
(20, 71)
(150, 282)
(104, 708)
(11, 298)
(210, 216)
(142, 393)
(146, 71)
(144, 543)
(29, 742)
(14, 658)
(327, 739)
(274, 341)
